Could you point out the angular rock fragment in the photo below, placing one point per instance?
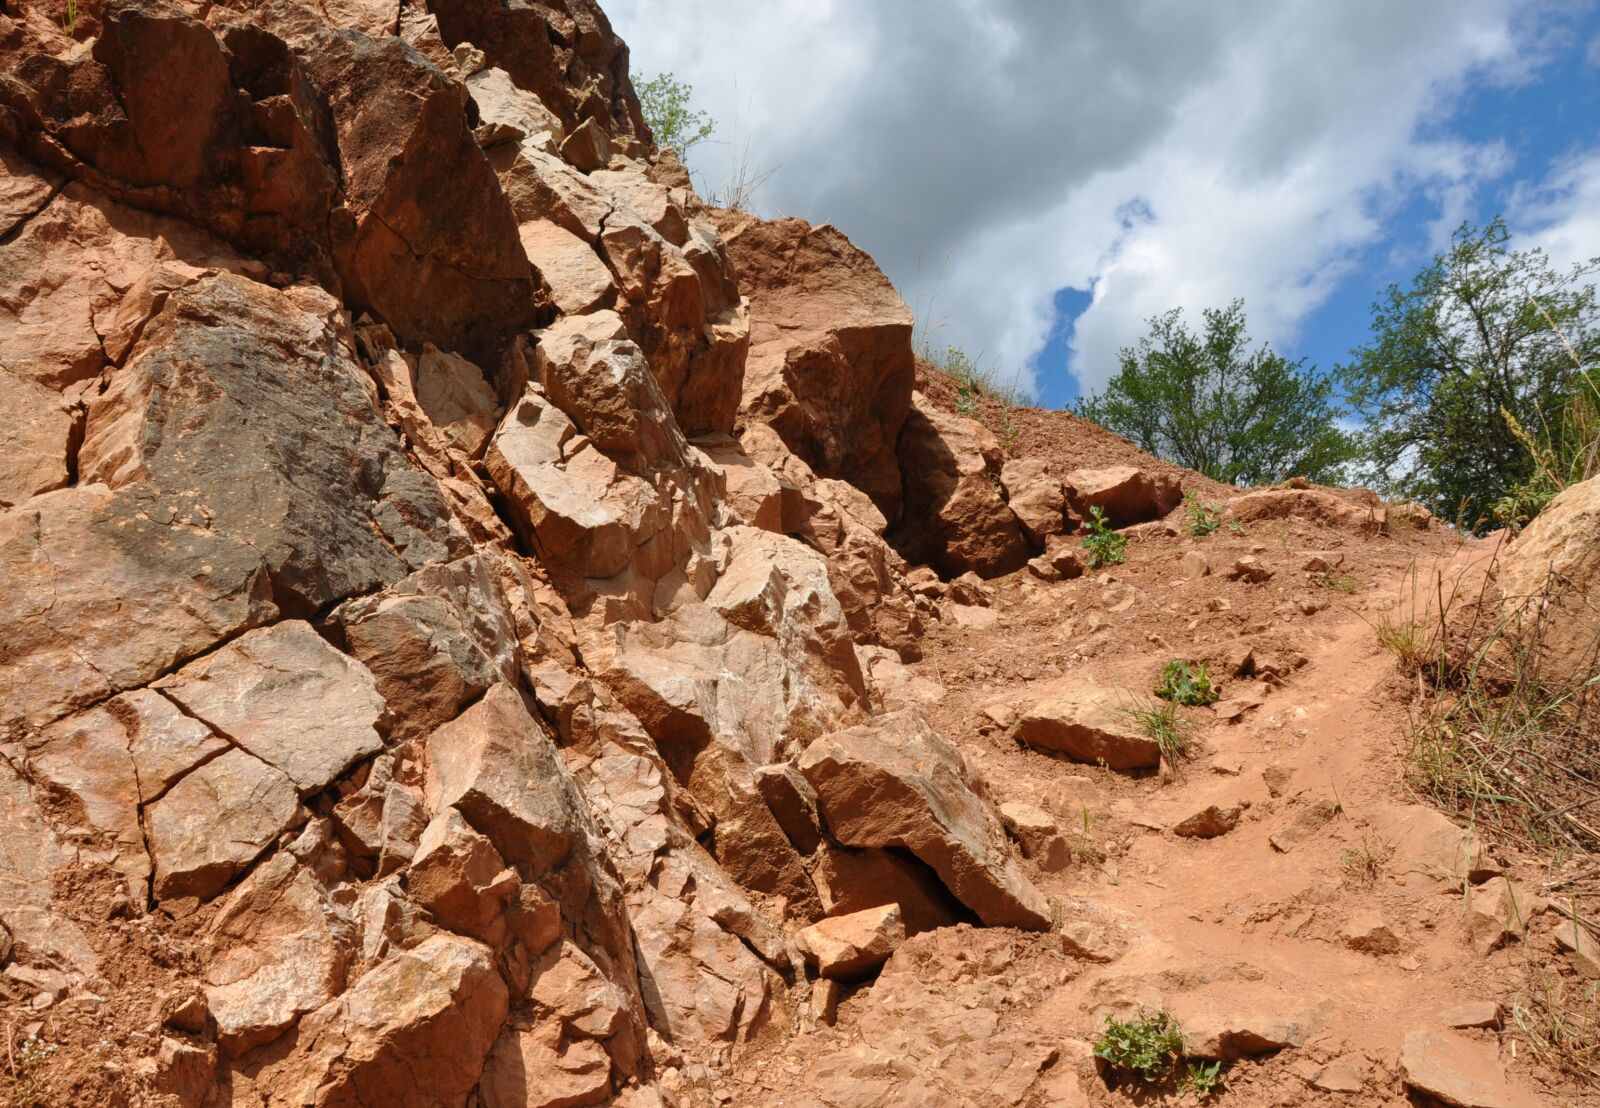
(434, 641)
(830, 366)
(845, 947)
(1039, 834)
(897, 783)
(422, 1019)
(496, 764)
(1456, 1070)
(1209, 822)
(459, 879)
(954, 516)
(278, 948)
(1125, 494)
(538, 1068)
(1034, 496)
(1091, 724)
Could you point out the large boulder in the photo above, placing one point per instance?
(414, 1030)
(955, 517)
(371, 171)
(564, 52)
(896, 782)
(1125, 494)
(236, 461)
(830, 365)
(277, 949)
(1549, 580)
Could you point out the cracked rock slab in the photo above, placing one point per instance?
(286, 696)
(214, 823)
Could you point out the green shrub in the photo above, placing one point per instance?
(1204, 519)
(1148, 1047)
(1189, 685)
(668, 109)
(1104, 546)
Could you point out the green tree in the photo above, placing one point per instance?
(666, 103)
(1466, 368)
(1210, 401)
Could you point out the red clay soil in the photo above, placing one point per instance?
(1332, 942)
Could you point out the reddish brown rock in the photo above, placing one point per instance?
(459, 879)
(897, 783)
(565, 53)
(434, 641)
(1456, 1070)
(954, 516)
(538, 1068)
(1091, 724)
(423, 1019)
(497, 765)
(187, 493)
(1548, 577)
(86, 757)
(854, 880)
(849, 946)
(277, 949)
(1208, 823)
(286, 696)
(1035, 496)
(215, 822)
(830, 365)
(1125, 494)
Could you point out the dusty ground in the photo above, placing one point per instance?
(1228, 927)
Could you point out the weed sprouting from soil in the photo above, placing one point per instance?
(1104, 546)
(1186, 684)
(1167, 727)
(1363, 864)
(1204, 518)
(1148, 1049)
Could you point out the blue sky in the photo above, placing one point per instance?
(1038, 177)
(1552, 116)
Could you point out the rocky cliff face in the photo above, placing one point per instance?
(444, 567)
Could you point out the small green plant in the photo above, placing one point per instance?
(1204, 519)
(1188, 685)
(1167, 727)
(1148, 1047)
(69, 22)
(665, 103)
(1408, 640)
(1104, 546)
(23, 1062)
(1203, 1078)
(1347, 583)
(1363, 864)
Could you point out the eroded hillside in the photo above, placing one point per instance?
(480, 626)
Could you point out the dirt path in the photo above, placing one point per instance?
(1327, 920)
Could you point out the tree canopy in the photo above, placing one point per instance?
(668, 109)
(1210, 401)
(1467, 368)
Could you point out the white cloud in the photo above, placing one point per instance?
(989, 152)
(1562, 215)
